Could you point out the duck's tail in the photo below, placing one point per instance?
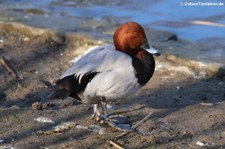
(59, 94)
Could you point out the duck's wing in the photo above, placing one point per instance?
(87, 63)
(100, 60)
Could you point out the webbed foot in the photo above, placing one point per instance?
(119, 122)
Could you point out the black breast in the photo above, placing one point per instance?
(144, 65)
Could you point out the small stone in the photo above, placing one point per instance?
(206, 104)
(221, 73)
(1, 140)
(26, 39)
(94, 128)
(7, 147)
(203, 97)
(37, 106)
(199, 143)
(173, 37)
(100, 42)
(97, 129)
(42, 119)
(36, 72)
(64, 126)
(186, 134)
(14, 107)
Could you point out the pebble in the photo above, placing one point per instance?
(42, 119)
(26, 39)
(221, 73)
(64, 126)
(206, 104)
(7, 147)
(94, 128)
(173, 37)
(14, 107)
(199, 143)
(37, 106)
(36, 72)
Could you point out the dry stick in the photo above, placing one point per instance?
(115, 144)
(135, 126)
(7, 67)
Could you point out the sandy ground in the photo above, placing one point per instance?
(188, 109)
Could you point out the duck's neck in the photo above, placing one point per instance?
(144, 65)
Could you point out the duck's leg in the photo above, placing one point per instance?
(100, 115)
(117, 122)
(104, 106)
(96, 113)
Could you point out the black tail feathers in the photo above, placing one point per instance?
(59, 94)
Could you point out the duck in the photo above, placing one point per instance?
(111, 71)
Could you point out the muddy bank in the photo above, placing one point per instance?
(187, 100)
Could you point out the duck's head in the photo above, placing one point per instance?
(130, 37)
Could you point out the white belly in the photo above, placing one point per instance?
(111, 85)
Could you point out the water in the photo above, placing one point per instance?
(159, 14)
(98, 19)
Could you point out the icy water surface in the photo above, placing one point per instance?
(174, 16)
(201, 21)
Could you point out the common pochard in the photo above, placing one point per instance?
(112, 71)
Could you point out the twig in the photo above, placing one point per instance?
(115, 144)
(8, 68)
(142, 121)
(135, 126)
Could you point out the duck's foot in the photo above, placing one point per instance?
(97, 115)
(121, 127)
(119, 119)
(118, 122)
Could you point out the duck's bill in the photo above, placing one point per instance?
(153, 51)
(150, 49)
